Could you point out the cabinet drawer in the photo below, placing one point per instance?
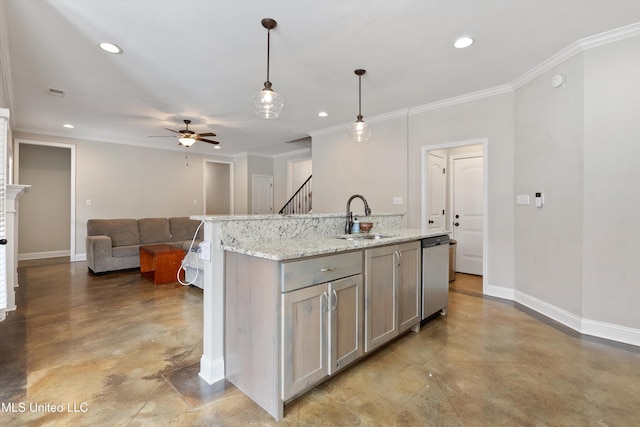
(311, 271)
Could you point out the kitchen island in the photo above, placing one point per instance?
(290, 300)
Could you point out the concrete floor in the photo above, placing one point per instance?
(115, 350)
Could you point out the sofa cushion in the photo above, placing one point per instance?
(154, 230)
(126, 251)
(123, 232)
(183, 228)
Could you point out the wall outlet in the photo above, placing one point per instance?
(523, 199)
(204, 252)
(397, 200)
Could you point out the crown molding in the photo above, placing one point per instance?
(576, 48)
(473, 96)
(581, 45)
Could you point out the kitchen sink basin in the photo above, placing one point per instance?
(364, 236)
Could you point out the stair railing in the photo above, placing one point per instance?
(300, 202)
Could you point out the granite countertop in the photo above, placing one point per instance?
(287, 249)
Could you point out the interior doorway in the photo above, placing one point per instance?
(464, 189)
(218, 188)
(47, 216)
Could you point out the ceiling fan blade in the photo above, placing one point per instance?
(171, 130)
(160, 136)
(207, 134)
(208, 140)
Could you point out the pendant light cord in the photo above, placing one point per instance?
(268, 51)
(359, 97)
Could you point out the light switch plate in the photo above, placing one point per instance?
(397, 200)
(523, 199)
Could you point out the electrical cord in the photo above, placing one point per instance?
(195, 235)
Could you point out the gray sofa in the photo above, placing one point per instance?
(114, 244)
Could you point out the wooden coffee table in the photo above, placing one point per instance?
(160, 263)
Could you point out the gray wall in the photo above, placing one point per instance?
(611, 176)
(218, 188)
(280, 174)
(549, 158)
(44, 215)
(375, 169)
(128, 182)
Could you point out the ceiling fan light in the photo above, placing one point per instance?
(187, 142)
(268, 104)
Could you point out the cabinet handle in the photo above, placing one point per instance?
(327, 269)
(325, 305)
(335, 300)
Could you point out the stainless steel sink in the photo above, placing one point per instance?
(364, 236)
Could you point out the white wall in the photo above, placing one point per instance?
(611, 176)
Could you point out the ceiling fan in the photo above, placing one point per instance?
(187, 137)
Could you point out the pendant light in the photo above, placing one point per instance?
(358, 130)
(268, 104)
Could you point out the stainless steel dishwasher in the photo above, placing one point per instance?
(435, 275)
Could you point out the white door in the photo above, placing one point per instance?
(468, 213)
(261, 194)
(436, 191)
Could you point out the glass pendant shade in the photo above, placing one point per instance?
(359, 131)
(268, 104)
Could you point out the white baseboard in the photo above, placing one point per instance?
(611, 332)
(41, 255)
(608, 331)
(80, 257)
(499, 292)
(211, 371)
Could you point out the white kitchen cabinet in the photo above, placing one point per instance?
(321, 332)
(392, 292)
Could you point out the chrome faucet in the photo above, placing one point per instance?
(367, 212)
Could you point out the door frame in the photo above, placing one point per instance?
(484, 142)
(231, 184)
(72, 153)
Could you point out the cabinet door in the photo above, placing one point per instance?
(381, 319)
(346, 319)
(304, 339)
(409, 285)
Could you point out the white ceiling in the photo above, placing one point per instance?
(204, 61)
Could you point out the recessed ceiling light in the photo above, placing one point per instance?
(323, 114)
(110, 47)
(463, 42)
(217, 147)
(68, 126)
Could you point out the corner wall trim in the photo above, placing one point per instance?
(211, 371)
